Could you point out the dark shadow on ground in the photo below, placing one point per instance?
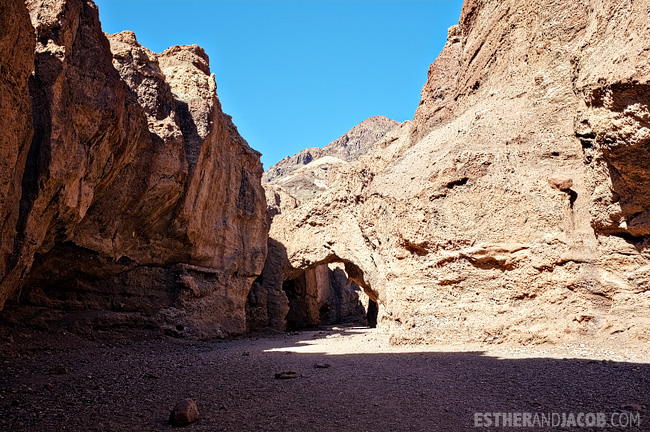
(126, 385)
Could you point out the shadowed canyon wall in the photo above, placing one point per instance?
(127, 189)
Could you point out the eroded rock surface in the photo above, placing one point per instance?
(138, 197)
(16, 65)
(451, 221)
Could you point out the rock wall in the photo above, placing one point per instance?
(16, 66)
(457, 222)
(139, 196)
(321, 296)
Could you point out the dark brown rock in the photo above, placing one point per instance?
(184, 413)
(267, 304)
(322, 365)
(16, 66)
(59, 370)
(286, 375)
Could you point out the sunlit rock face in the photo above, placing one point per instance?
(136, 195)
(514, 206)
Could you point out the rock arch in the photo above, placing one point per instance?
(332, 290)
(329, 293)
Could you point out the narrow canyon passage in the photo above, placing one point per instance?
(502, 225)
(347, 379)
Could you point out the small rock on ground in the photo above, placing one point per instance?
(286, 375)
(184, 413)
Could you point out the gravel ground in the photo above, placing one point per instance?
(347, 379)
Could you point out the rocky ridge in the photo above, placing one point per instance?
(348, 147)
(305, 174)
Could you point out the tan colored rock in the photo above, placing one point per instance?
(349, 147)
(140, 197)
(560, 181)
(449, 222)
(284, 297)
(308, 181)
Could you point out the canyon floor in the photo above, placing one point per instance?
(347, 378)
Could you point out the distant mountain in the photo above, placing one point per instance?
(349, 147)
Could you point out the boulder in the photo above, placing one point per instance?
(560, 181)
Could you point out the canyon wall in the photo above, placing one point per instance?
(132, 194)
(514, 206)
(16, 66)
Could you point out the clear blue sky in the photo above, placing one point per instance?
(299, 73)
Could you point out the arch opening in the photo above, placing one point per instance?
(327, 294)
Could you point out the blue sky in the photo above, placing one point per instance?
(299, 73)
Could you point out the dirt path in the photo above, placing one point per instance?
(122, 384)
